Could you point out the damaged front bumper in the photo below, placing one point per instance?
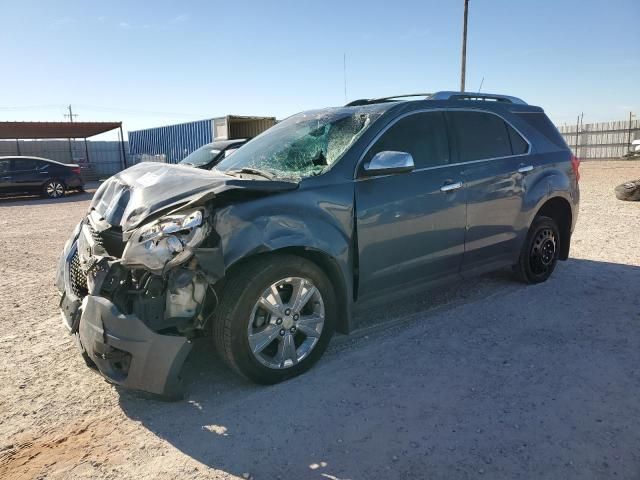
(116, 313)
(127, 352)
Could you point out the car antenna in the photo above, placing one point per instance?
(480, 87)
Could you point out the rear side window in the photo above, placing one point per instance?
(423, 135)
(5, 166)
(25, 164)
(542, 124)
(479, 135)
(518, 144)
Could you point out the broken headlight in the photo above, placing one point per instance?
(166, 242)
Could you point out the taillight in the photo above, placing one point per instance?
(575, 165)
(76, 170)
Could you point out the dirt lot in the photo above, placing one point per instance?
(490, 378)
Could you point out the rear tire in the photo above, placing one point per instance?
(540, 251)
(54, 188)
(259, 328)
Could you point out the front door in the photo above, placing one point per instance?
(26, 176)
(409, 230)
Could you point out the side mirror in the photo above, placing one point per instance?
(389, 162)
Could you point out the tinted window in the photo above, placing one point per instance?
(518, 144)
(423, 135)
(25, 164)
(479, 135)
(542, 124)
(5, 166)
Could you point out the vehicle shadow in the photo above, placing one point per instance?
(489, 376)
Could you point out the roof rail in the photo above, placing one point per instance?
(450, 95)
(369, 101)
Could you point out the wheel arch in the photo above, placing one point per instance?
(559, 209)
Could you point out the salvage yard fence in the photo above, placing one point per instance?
(603, 140)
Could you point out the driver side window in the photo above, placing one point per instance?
(423, 135)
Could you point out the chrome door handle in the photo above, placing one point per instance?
(450, 187)
(525, 169)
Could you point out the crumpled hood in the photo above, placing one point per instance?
(130, 196)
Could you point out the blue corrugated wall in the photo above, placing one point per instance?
(173, 141)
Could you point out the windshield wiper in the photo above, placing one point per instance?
(253, 171)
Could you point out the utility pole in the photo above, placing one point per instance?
(70, 115)
(464, 46)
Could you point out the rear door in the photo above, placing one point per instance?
(493, 155)
(408, 229)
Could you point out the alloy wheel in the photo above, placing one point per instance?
(286, 322)
(54, 189)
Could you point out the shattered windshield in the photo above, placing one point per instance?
(201, 156)
(301, 146)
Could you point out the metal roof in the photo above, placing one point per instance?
(17, 130)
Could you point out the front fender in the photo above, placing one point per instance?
(320, 222)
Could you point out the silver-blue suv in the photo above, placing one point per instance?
(330, 210)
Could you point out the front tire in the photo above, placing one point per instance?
(275, 318)
(54, 188)
(540, 251)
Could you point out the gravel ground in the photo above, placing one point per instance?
(488, 378)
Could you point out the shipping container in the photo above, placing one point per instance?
(172, 143)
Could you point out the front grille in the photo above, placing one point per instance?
(77, 277)
(109, 239)
(96, 236)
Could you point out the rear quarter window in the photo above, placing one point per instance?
(541, 123)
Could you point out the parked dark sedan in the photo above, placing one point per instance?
(209, 155)
(38, 175)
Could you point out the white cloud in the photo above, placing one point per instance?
(181, 18)
(124, 25)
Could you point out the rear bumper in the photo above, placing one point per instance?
(127, 352)
(74, 182)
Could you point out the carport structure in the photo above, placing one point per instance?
(51, 130)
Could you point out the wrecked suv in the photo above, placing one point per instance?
(326, 212)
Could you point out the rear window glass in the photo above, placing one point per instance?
(518, 144)
(542, 124)
(479, 135)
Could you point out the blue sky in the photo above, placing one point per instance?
(153, 63)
